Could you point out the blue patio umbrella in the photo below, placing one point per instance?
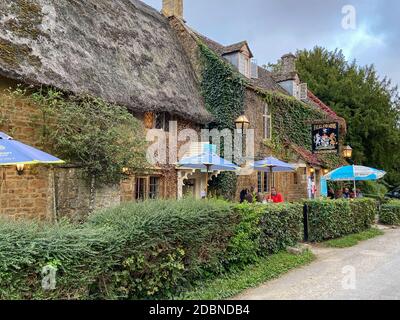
(13, 152)
(207, 161)
(351, 173)
(273, 165)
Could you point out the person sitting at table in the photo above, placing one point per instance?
(331, 194)
(251, 195)
(276, 197)
(346, 193)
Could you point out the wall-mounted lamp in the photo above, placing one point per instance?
(348, 152)
(312, 170)
(20, 168)
(125, 171)
(242, 123)
(326, 171)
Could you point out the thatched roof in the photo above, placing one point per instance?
(122, 50)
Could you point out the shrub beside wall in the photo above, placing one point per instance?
(264, 230)
(333, 219)
(135, 251)
(390, 213)
(148, 250)
(157, 249)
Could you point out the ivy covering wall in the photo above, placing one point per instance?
(223, 89)
(291, 121)
(291, 118)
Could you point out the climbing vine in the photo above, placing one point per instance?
(292, 119)
(223, 89)
(291, 123)
(101, 138)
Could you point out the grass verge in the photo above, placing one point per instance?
(235, 282)
(353, 239)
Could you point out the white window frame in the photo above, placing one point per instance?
(244, 65)
(267, 122)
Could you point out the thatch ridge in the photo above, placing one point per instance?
(123, 51)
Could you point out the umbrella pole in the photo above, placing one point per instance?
(208, 169)
(355, 189)
(270, 182)
(355, 185)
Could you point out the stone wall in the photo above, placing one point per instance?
(72, 195)
(46, 194)
(42, 192)
(293, 186)
(27, 196)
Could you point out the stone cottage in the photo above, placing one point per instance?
(286, 81)
(129, 54)
(122, 51)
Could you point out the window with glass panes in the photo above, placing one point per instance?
(147, 188)
(154, 187)
(140, 189)
(264, 181)
(267, 122)
(162, 121)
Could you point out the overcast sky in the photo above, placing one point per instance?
(276, 27)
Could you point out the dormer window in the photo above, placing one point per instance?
(244, 65)
(240, 56)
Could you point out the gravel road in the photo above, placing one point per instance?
(368, 271)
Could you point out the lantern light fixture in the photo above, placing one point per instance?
(20, 168)
(348, 152)
(242, 123)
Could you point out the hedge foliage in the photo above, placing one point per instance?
(149, 250)
(264, 230)
(134, 251)
(390, 213)
(158, 249)
(330, 219)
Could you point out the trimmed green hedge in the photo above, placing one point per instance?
(158, 249)
(150, 250)
(330, 219)
(135, 251)
(263, 230)
(390, 213)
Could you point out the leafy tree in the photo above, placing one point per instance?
(370, 105)
(102, 138)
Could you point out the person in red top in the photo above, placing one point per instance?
(276, 197)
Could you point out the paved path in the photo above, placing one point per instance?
(375, 265)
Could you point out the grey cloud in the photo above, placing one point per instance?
(275, 27)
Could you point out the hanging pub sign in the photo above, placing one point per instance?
(325, 138)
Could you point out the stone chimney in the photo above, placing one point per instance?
(288, 69)
(173, 8)
(288, 63)
(287, 76)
